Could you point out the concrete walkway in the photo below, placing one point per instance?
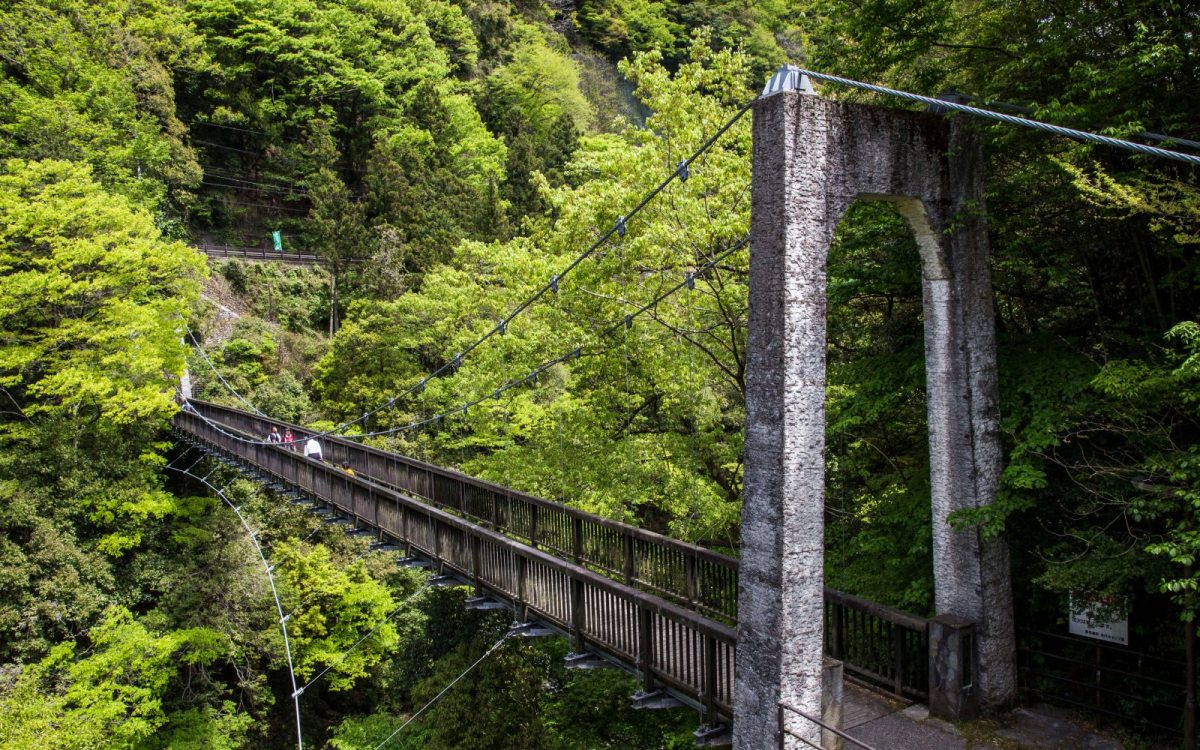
(884, 723)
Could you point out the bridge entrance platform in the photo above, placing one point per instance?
(883, 722)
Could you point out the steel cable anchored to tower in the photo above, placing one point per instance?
(789, 78)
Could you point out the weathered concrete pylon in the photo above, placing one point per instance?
(812, 159)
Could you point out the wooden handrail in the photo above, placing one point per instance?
(883, 612)
(634, 531)
(700, 578)
(256, 253)
(672, 644)
(691, 577)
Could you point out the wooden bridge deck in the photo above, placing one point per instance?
(670, 647)
(661, 608)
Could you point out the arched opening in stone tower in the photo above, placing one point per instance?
(878, 532)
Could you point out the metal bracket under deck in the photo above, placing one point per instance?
(655, 699)
(484, 603)
(587, 660)
(713, 735)
(530, 630)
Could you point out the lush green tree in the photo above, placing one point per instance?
(648, 427)
(92, 337)
(332, 609)
(84, 274)
(542, 83)
(90, 82)
(113, 696)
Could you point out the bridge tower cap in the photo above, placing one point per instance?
(788, 78)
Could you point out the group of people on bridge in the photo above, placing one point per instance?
(312, 446)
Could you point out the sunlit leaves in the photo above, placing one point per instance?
(93, 298)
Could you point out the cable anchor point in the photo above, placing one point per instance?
(788, 78)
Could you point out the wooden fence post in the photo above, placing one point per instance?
(646, 648)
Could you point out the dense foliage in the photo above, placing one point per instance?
(447, 158)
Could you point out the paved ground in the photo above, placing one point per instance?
(885, 724)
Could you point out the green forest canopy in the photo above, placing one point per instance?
(464, 152)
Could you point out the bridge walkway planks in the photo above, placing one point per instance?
(686, 574)
(668, 646)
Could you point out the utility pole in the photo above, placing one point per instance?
(332, 299)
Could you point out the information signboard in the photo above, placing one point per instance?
(1094, 620)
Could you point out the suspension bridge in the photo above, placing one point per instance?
(659, 607)
(757, 645)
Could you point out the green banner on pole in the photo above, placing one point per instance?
(277, 238)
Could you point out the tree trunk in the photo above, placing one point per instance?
(1189, 705)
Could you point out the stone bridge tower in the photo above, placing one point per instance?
(812, 159)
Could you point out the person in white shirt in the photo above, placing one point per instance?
(312, 449)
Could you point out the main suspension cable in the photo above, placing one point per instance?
(1079, 135)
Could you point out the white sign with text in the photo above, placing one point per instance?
(1086, 622)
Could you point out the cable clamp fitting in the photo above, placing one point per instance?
(628, 322)
(682, 171)
(501, 327)
(621, 229)
(689, 278)
(554, 284)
